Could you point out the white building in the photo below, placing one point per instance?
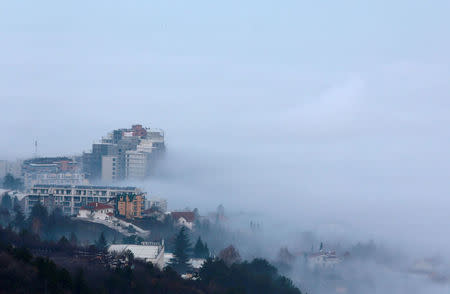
(109, 168)
(148, 251)
(158, 203)
(62, 178)
(72, 198)
(184, 218)
(323, 259)
(95, 210)
(136, 164)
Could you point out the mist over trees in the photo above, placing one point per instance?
(12, 183)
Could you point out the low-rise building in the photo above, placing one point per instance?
(184, 218)
(148, 251)
(52, 171)
(72, 197)
(96, 210)
(154, 203)
(130, 205)
(323, 259)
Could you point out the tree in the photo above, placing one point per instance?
(133, 239)
(230, 255)
(10, 182)
(180, 260)
(73, 239)
(63, 243)
(321, 246)
(38, 218)
(6, 202)
(19, 218)
(200, 249)
(101, 243)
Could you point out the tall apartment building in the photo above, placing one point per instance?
(130, 205)
(72, 197)
(124, 154)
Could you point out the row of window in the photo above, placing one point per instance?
(77, 192)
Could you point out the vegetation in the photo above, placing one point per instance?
(180, 261)
(230, 255)
(200, 249)
(62, 272)
(12, 183)
(257, 276)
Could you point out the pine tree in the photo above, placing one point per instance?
(73, 239)
(6, 202)
(180, 261)
(19, 218)
(101, 243)
(206, 252)
(199, 248)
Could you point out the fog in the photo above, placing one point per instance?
(330, 118)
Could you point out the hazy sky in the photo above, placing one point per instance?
(330, 111)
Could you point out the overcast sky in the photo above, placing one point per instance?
(325, 112)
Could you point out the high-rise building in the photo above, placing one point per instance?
(124, 154)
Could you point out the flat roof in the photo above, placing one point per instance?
(83, 187)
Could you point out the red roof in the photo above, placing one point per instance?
(97, 206)
(187, 215)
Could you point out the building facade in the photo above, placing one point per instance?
(135, 150)
(71, 198)
(52, 171)
(130, 205)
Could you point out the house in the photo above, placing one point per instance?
(184, 218)
(96, 210)
(323, 259)
(148, 251)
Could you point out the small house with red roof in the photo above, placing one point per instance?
(96, 210)
(184, 218)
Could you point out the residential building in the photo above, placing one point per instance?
(148, 251)
(323, 259)
(96, 210)
(130, 205)
(72, 197)
(184, 218)
(159, 204)
(109, 168)
(52, 171)
(135, 151)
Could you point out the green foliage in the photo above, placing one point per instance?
(10, 182)
(182, 249)
(257, 276)
(73, 239)
(133, 239)
(20, 272)
(19, 218)
(38, 219)
(200, 249)
(101, 243)
(7, 202)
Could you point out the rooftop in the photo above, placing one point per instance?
(187, 215)
(84, 187)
